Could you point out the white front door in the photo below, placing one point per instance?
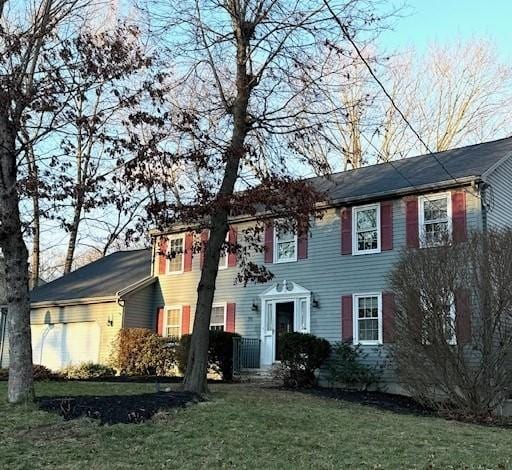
(275, 306)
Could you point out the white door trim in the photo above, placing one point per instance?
(285, 291)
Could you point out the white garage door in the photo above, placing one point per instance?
(59, 345)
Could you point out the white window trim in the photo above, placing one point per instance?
(355, 318)
(225, 307)
(173, 307)
(276, 251)
(421, 215)
(168, 263)
(355, 210)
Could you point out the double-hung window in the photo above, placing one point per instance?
(218, 318)
(223, 260)
(367, 318)
(175, 254)
(366, 229)
(439, 318)
(435, 219)
(173, 321)
(285, 242)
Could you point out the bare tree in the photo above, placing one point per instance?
(261, 63)
(453, 329)
(25, 35)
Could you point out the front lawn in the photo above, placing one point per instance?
(246, 427)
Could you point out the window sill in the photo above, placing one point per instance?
(174, 273)
(366, 252)
(284, 261)
(368, 343)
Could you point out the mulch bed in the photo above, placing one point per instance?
(116, 409)
(381, 400)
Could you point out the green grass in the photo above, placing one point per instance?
(246, 427)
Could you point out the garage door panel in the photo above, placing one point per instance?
(62, 344)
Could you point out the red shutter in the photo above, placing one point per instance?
(462, 317)
(386, 225)
(232, 240)
(185, 320)
(346, 318)
(388, 317)
(189, 241)
(204, 240)
(160, 321)
(230, 318)
(346, 231)
(162, 256)
(302, 249)
(269, 243)
(459, 216)
(411, 223)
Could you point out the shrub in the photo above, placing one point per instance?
(87, 370)
(345, 367)
(220, 353)
(138, 351)
(39, 372)
(301, 355)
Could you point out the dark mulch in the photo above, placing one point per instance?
(381, 400)
(116, 409)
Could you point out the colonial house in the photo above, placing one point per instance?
(332, 282)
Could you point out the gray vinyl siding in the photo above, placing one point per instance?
(139, 308)
(499, 215)
(326, 273)
(102, 313)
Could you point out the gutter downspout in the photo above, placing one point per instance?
(121, 302)
(482, 187)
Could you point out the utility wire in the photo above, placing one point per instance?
(347, 35)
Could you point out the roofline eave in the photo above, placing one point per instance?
(420, 189)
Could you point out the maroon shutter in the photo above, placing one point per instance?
(187, 263)
(230, 317)
(388, 317)
(162, 256)
(346, 318)
(269, 243)
(204, 240)
(346, 231)
(462, 316)
(386, 225)
(160, 321)
(302, 249)
(411, 223)
(185, 320)
(232, 240)
(459, 216)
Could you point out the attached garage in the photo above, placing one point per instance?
(62, 344)
(76, 318)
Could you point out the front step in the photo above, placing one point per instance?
(256, 375)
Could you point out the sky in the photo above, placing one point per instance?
(424, 21)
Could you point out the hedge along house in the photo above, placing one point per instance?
(333, 282)
(76, 317)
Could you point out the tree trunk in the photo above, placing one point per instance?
(197, 365)
(36, 228)
(20, 386)
(73, 234)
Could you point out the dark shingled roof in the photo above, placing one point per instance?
(102, 278)
(414, 172)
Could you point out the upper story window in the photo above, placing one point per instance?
(285, 242)
(173, 321)
(367, 318)
(366, 229)
(175, 262)
(218, 318)
(223, 260)
(435, 219)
